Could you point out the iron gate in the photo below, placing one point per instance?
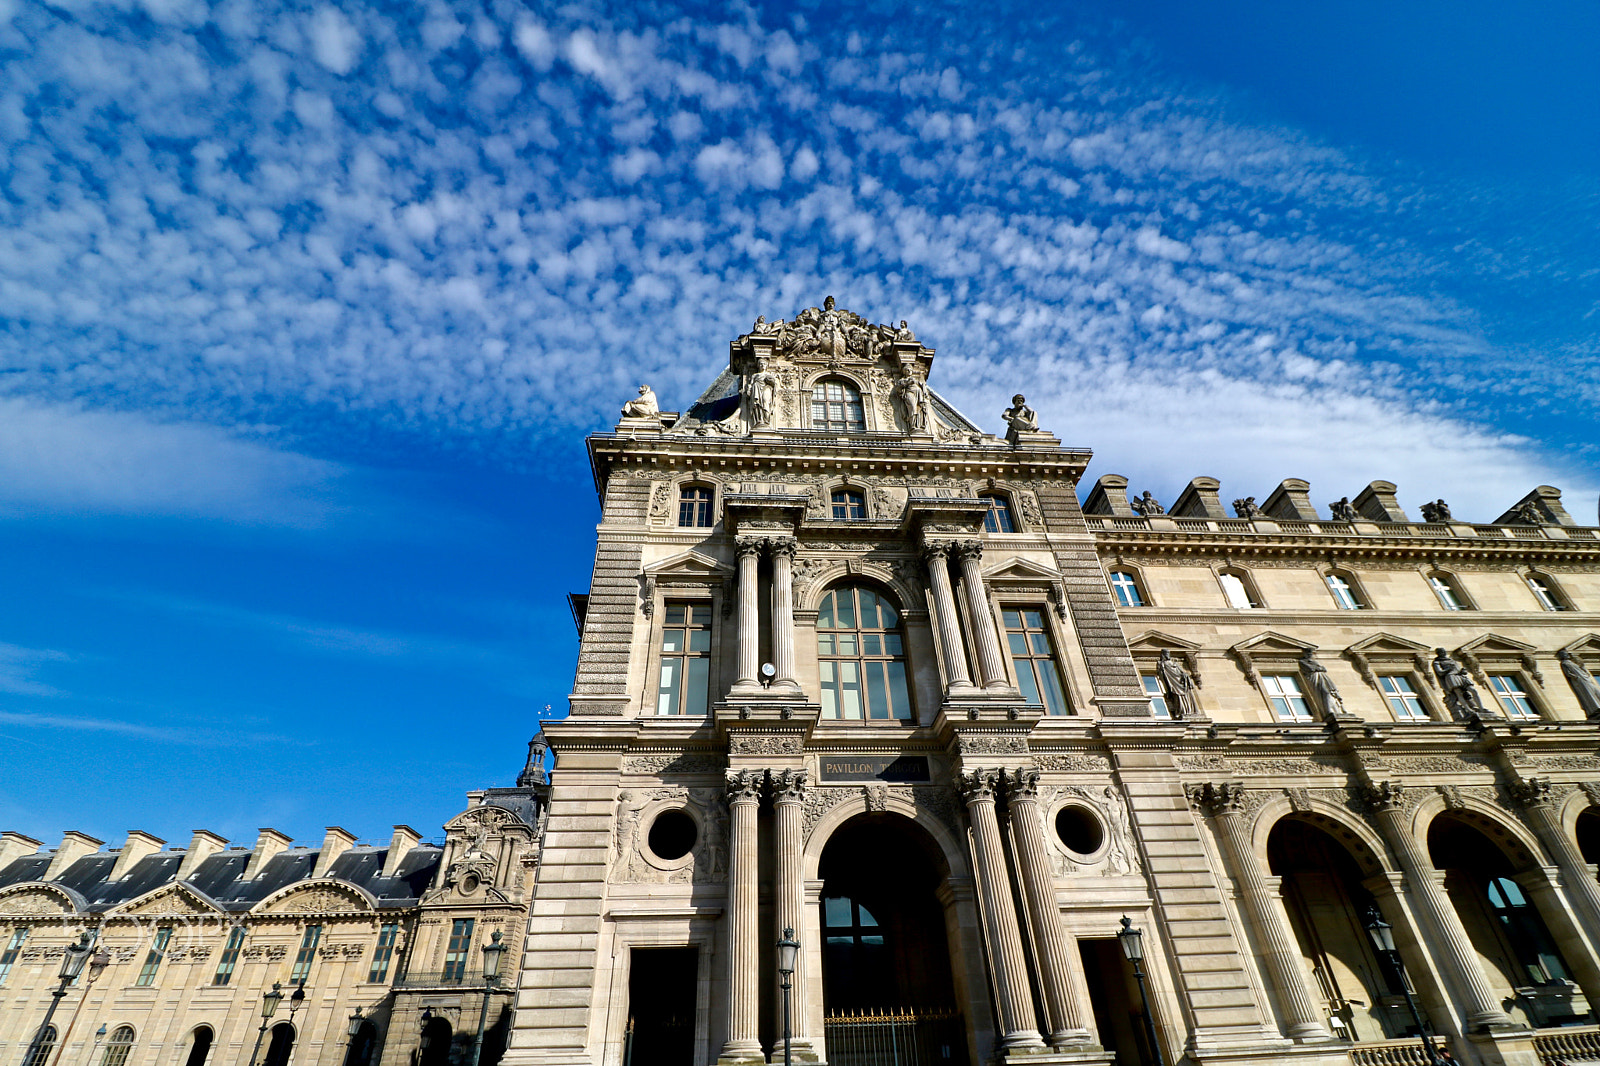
(905, 1037)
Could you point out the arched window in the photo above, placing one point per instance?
(118, 1047)
(1526, 932)
(849, 504)
(40, 1054)
(1451, 598)
(199, 1046)
(1548, 593)
(694, 506)
(836, 406)
(1239, 589)
(998, 519)
(1126, 586)
(1346, 593)
(861, 656)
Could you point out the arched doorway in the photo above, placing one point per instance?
(1329, 908)
(887, 977)
(436, 1036)
(199, 1046)
(1521, 959)
(280, 1045)
(1587, 831)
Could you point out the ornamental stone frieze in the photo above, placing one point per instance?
(675, 764)
(1084, 764)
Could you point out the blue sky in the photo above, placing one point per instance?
(305, 310)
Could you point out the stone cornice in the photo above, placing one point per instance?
(1424, 544)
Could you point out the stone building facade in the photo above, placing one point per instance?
(376, 948)
(853, 667)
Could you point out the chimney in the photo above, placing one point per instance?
(1199, 500)
(1378, 503)
(269, 842)
(334, 844)
(405, 838)
(1291, 502)
(138, 846)
(74, 846)
(14, 846)
(1109, 496)
(202, 845)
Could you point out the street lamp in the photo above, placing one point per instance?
(97, 966)
(1382, 934)
(1132, 941)
(492, 953)
(269, 1007)
(71, 966)
(356, 1022)
(788, 954)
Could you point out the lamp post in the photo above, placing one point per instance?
(1382, 934)
(788, 953)
(71, 965)
(97, 966)
(269, 1007)
(1132, 941)
(492, 953)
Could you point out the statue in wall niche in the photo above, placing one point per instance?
(1460, 694)
(1147, 504)
(913, 396)
(1342, 510)
(643, 407)
(1178, 686)
(1120, 856)
(763, 395)
(1317, 677)
(1437, 511)
(1246, 508)
(1583, 684)
(1020, 417)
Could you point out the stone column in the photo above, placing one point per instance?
(1476, 999)
(937, 556)
(749, 549)
(783, 549)
(1039, 889)
(1579, 885)
(1020, 1030)
(789, 902)
(1303, 1019)
(744, 977)
(984, 637)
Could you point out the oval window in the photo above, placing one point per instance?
(1079, 830)
(672, 834)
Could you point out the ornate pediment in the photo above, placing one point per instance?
(1152, 642)
(1270, 646)
(689, 566)
(829, 335)
(1492, 647)
(177, 899)
(37, 900)
(1586, 646)
(1023, 570)
(318, 897)
(1388, 647)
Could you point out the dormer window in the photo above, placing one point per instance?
(849, 505)
(836, 406)
(998, 519)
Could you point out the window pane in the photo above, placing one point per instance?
(830, 698)
(1041, 643)
(845, 610)
(877, 695)
(1018, 643)
(846, 643)
(694, 696)
(825, 612)
(667, 695)
(849, 689)
(897, 690)
(672, 640)
(1012, 619)
(675, 614)
(891, 644)
(1158, 699)
(1055, 699)
(702, 616)
(1026, 681)
(836, 913)
(699, 640)
(1233, 588)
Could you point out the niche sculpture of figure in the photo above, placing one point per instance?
(1460, 694)
(1316, 676)
(1583, 684)
(1020, 417)
(763, 394)
(913, 401)
(643, 407)
(1178, 686)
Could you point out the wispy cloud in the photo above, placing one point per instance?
(20, 666)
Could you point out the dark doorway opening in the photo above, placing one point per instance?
(200, 1046)
(661, 1002)
(1588, 833)
(282, 1042)
(361, 1045)
(436, 1039)
(1118, 1009)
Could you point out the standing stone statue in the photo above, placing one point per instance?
(1342, 510)
(1321, 683)
(1020, 417)
(1178, 686)
(1460, 694)
(1246, 508)
(1583, 684)
(763, 395)
(1437, 511)
(1147, 504)
(643, 407)
(913, 401)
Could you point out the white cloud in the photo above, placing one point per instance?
(335, 43)
(19, 667)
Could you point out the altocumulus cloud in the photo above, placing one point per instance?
(489, 218)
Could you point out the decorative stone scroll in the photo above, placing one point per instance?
(765, 744)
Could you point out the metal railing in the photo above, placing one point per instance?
(447, 979)
(896, 1037)
(1407, 1052)
(1580, 1043)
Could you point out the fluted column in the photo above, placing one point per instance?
(1303, 1019)
(1536, 801)
(1020, 1028)
(783, 550)
(1039, 889)
(984, 636)
(937, 559)
(749, 549)
(744, 977)
(1478, 1003)
(789, 910)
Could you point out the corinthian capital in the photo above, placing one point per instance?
(789, 786)
(936, 552)
(1022, 784)
(1385, 796)
(744, 787)
(782, 546)
(970, 549)
(1534, 792)
(1219, 797)
(749, 546)
(979, 785)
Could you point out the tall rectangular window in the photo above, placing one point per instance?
(1513, 698)
(1344, 594)
(387, 934)
(152, 961)
(8, 957)
(1287, 699)
(306, 955)
(1402, 698)
(685, 659)
(230, 956)
(1545, 594)
(694, 506)
(1034, 658)
(1127, 589)
(1158, 698)
(456, 951)
(1234, 589)
(1449, 598)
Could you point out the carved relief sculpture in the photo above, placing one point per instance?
(913, 397)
